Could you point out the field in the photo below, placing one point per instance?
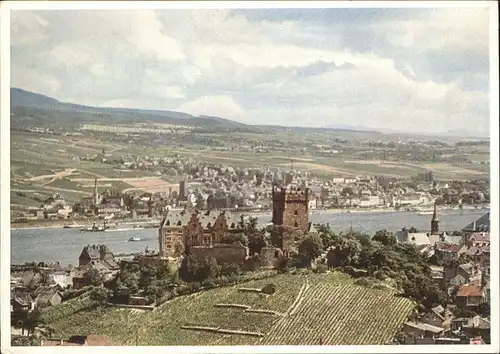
(44, 166)
(305, 310)
(59, 164)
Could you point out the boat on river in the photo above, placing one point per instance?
(96, 228)
(73, 226)
(425, 212)
(134, 239)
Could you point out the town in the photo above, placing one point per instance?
(207, 249)
(210, 186)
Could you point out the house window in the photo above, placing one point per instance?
(296, 224)
(169, 246)
(168, 239)
(296, 212)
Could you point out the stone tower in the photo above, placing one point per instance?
(182, 196)
(435, 222)
(290, 213)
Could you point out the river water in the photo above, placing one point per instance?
(65, 245)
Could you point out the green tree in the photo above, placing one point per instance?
(256, 241)
(310, 248)
(194, 269)
(329, 238)
(348, 252)
(228, 269)
(231, 238)
(100, 295)
(384, 237)
(95, 278)
(147, 276)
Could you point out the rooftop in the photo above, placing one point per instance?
(480, 225)
(470, 290)
(425, 327)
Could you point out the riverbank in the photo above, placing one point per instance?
(59, 224)
(65, 245)
(55, 224)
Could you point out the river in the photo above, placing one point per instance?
(65, 245)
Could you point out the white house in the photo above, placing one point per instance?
(60, 278)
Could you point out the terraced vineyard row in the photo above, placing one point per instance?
(312, 309)
(342, 315)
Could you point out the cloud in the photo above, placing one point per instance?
(221, 106)
(407, 69)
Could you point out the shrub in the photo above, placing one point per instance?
(269, 288)
(228, 269)
(321, 268)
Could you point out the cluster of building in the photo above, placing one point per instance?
(215, 186)
(463, 275)
(205, 233)
(43, 284)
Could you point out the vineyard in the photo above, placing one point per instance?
(305, 309)
(342, 315)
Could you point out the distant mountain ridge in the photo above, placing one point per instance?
(29, 105)
(26, 99)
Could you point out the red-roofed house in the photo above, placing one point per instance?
(470, 296)
(447, 251)
(479, 239)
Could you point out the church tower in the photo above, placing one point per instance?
(435, 222)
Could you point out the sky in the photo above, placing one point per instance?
(412, 70)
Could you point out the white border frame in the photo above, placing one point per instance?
(91, 5)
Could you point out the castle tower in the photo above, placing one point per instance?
(182, 190)
(435, 222)
(290, 213)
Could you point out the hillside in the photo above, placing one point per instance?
(329, 308)
(29, 108)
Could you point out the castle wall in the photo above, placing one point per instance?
(231, 254)
(171, 241)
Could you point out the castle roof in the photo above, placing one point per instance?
(176, 218)
(208, 218)
(180, 218)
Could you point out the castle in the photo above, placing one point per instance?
(202, 232)
(181, 230)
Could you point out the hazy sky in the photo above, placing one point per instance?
(417, 70)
